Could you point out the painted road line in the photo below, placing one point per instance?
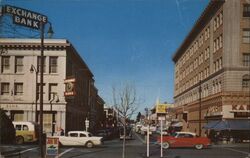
(19, 152)
(68, 150)
(243, 152)
(28, 150)
(142, 140)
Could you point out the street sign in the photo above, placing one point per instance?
(52, 146)
(25, 17)
(161, 118)
(87, 123)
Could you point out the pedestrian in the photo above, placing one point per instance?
(62, 132)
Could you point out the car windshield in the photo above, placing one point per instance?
(174, 134)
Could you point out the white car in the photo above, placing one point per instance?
(80, 138)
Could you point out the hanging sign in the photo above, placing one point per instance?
(25, 17)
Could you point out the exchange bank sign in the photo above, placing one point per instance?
(25, 17)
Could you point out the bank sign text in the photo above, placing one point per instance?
(25, 17)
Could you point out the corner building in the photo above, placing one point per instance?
(212, 67)
(66, 106)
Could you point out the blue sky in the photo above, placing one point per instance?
(124, 40)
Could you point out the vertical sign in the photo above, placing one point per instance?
(52, 146)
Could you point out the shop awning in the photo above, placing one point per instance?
(228, 125)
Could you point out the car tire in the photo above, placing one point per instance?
(198, 146)
(89, 144)
(19, 140)
(165, 145)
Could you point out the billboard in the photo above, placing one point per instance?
(25, 17)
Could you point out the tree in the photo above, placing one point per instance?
(7, 130)
(125, 103)
(138, 117)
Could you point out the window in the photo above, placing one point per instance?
(18, 64)
(25, 128)
(5, 63)
(18, 88)
(82, 135)
(73, 134)
(5, 88)
(221, 41)
(52, 91)
(18, 127)
(207, 33)
(246, 36)
(39, 64)
(246, 10)
(245, 81)
(221, 17)
(53, 65)
(246, 59)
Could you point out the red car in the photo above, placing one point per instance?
(184, 139)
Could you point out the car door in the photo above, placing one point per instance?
(189, 140)
(73, 139)
(181, 140)
(83, 138)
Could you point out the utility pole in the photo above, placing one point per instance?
(147, 115)
(200, 108)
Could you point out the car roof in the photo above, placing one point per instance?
(186, 133)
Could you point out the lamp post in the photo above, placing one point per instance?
(32, 69)
(50, 32)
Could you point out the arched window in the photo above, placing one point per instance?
(245, 81)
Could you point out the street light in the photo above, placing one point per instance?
(50, 32)
(33, 69)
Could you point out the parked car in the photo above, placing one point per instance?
(26, 131)
(144, 129)
(128, 133)
(164, 132)
(103, 133)
(184, 139)
(80, 138)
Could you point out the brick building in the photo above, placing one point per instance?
(212, 67)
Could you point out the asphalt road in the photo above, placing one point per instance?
(136, 149)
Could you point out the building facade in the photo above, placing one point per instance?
(19, 84)
(212, 66)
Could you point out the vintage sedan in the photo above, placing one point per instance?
(184, 139)
(80, 138)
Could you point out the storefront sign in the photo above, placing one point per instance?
(15, 106)
(161, 108)
(25, 17)
(69, 87)
(52, 146)
(240, 108)
(213, 111)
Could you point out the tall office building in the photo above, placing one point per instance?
(212, 67)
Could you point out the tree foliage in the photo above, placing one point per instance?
(138, 117)
(7, 130)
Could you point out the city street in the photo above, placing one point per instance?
(135, 148)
